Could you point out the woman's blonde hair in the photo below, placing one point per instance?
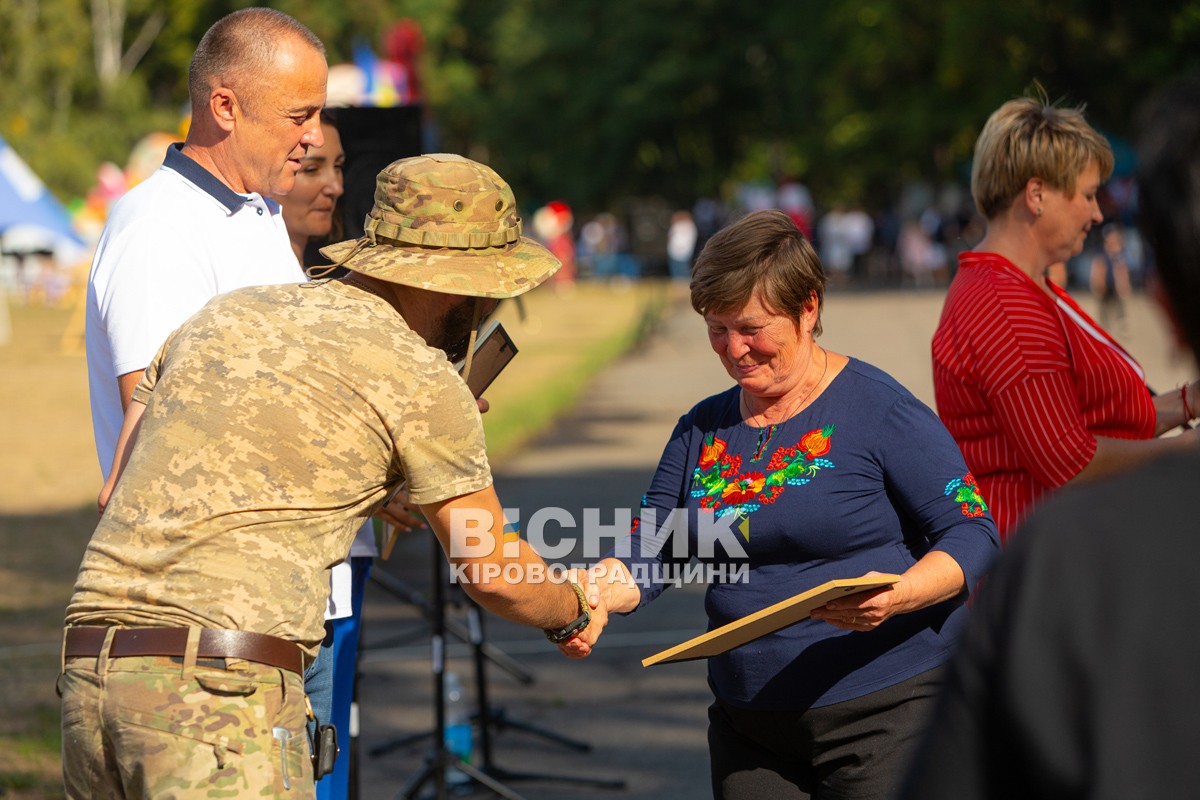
(1030, 138)
(762, 251)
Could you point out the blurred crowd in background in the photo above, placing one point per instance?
(911, 244)
(682, 112)
(911, 241)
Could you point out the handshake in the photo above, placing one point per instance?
(608, 588)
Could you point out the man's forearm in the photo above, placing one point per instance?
(507, 578)
(524, 591)
(126, 384)
(125, 442)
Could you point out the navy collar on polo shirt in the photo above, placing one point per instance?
(177, 161)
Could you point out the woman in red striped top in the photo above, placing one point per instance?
(1035, 393)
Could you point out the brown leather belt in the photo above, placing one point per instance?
(88, 641)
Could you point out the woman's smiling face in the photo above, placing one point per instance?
(308, 208)
(764, 351)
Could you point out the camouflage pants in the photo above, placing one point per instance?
(149, 727)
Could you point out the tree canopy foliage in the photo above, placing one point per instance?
(591, 102)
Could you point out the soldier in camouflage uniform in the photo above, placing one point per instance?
(268, 427)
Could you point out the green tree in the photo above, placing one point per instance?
(79, 94)
(593, 102)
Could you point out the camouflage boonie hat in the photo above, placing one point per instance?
(448, 224)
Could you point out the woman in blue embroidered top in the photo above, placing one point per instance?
(829, 469)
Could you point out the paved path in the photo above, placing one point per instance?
(645, 726)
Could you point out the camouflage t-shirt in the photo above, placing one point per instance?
(278, 418)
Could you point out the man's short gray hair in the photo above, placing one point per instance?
(243, 43)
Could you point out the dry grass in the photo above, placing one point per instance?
(562, 340)
(49, 463)
(49, 477)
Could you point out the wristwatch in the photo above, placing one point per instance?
(576, 625)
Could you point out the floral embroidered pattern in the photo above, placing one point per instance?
(637, 521)
(724, 489)
(764, 438)
(964, 490)
(816, 443)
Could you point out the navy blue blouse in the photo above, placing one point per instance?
(866, 478)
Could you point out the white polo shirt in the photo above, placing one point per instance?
(171, 244)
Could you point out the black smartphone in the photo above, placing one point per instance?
(494, 348)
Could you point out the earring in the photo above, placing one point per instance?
(1039, 211)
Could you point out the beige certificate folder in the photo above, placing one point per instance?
(768, 620)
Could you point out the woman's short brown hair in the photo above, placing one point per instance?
(762, 251)
(1029, 138)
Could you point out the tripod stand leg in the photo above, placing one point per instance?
(574, 780)
(502, 720)
(433, 612)
(440, 758)
(397, 588)
(418, 779)
(485, 779)
(487, 717)
(437, 764)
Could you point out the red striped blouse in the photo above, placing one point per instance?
(1025, 383)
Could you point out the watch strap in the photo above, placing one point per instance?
(576, 625)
